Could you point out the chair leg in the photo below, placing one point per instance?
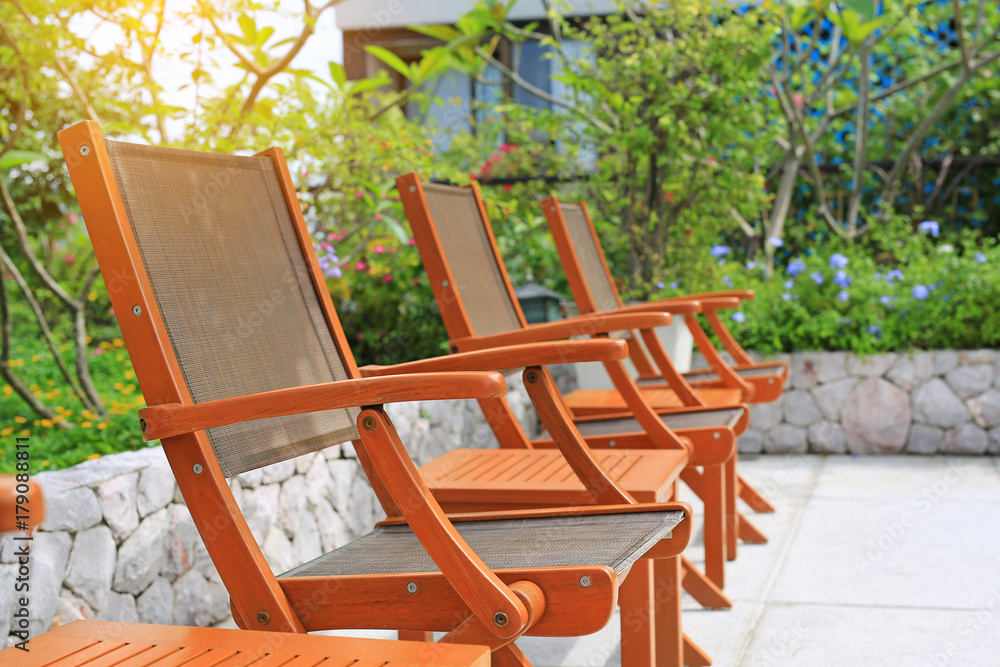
(749, 533)
(753, 498)
(415, 636)
(702, 589)
(694, 655)
(508, 656)
(669, 640)
(638, 616)
(714, 486)
(732, 515)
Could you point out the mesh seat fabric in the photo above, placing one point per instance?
(678, 421)
(234, 290)
(506, 544)
(591, 264)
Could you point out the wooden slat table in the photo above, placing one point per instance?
(105, 643)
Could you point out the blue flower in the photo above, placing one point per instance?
(673, 285)
(776, 242)
(841, 279)
(980, 258)
(720, 250)
(795, 267)
(817, 277)
(786, 297)
(751, 265)
(930, 227)
(894, 275)
(843, 296)
(884, 300)
(739, 317)
(728, 281)
(789, 284)
(920, 292)
(875, 331)
(934, 286)
(659, 285)
(838, 261)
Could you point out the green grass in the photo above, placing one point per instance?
(54, 446)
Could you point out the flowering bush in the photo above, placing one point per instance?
(919, 292)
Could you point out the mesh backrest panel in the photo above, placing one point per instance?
(591, 265)
(234, 290)
(470, 256)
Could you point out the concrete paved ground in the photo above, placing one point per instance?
(871, 561)
(874, 561)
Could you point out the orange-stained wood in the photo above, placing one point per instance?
(557, 420)
(246, 574)
(594, 510)
(20, 502)
(472, 631)
(382, 601)
(583, 325)
(483, 593)
(107, 643)
(164, 421)
(514, 356)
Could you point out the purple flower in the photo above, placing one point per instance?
(875, 331)
(817, 277)
(789, 284)
(795, 267)
(920, 292)
(333, 272)
(786, 297)
(776, 242)
(728, 281)
(739, 317)
(885, 300)
(930, 227)
(674, 285)
(841, 279)
(843, 296)
(980, 258)
(659, 285)
(720, 250)
(838, 261)
(894, 275)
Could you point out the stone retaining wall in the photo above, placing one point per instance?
(118, 542)
(922, 403)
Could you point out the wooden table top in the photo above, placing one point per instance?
(105, 643)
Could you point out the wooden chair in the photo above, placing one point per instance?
(480, 312)
(594, 290)
(22, 506)
(113, 644)
(243, 363)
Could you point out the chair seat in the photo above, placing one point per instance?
(597, 401)
(505, 544)
(677, 421)
(469, 480)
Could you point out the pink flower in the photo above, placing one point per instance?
(72, 218)
(69, 259)
(360, 266)
(336, 236)
(507, 187)
(392, 251)
(97, 351)
(415, 281)
(361, 336)
(387, 278)
(379, 250)
(411, 242)
(507, 148)
(797, 98)
(378, 216)
(305, 173)
(357, 194)
(111, 310)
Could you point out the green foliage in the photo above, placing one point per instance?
(915, 293)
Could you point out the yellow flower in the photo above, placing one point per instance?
(15, 363)
(92, 296)
(7, 431)
(129, 375)
(35, 357)
(87, 339)
(93, 456)
(101, 426)
(119, 386)
(7, 390)
(38, 394)
(118, 342)
(20, 420)
(119, 357)
(88, 414)
(46, 464)
(86, 424)
(47, 423)
(25, 433)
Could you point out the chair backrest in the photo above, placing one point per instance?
(583, 259)
(234, 290)
(461, 258)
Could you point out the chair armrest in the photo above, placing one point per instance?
(513, 356)
(678, 307)
(170, 419)
(741, 294)
(584, 325)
